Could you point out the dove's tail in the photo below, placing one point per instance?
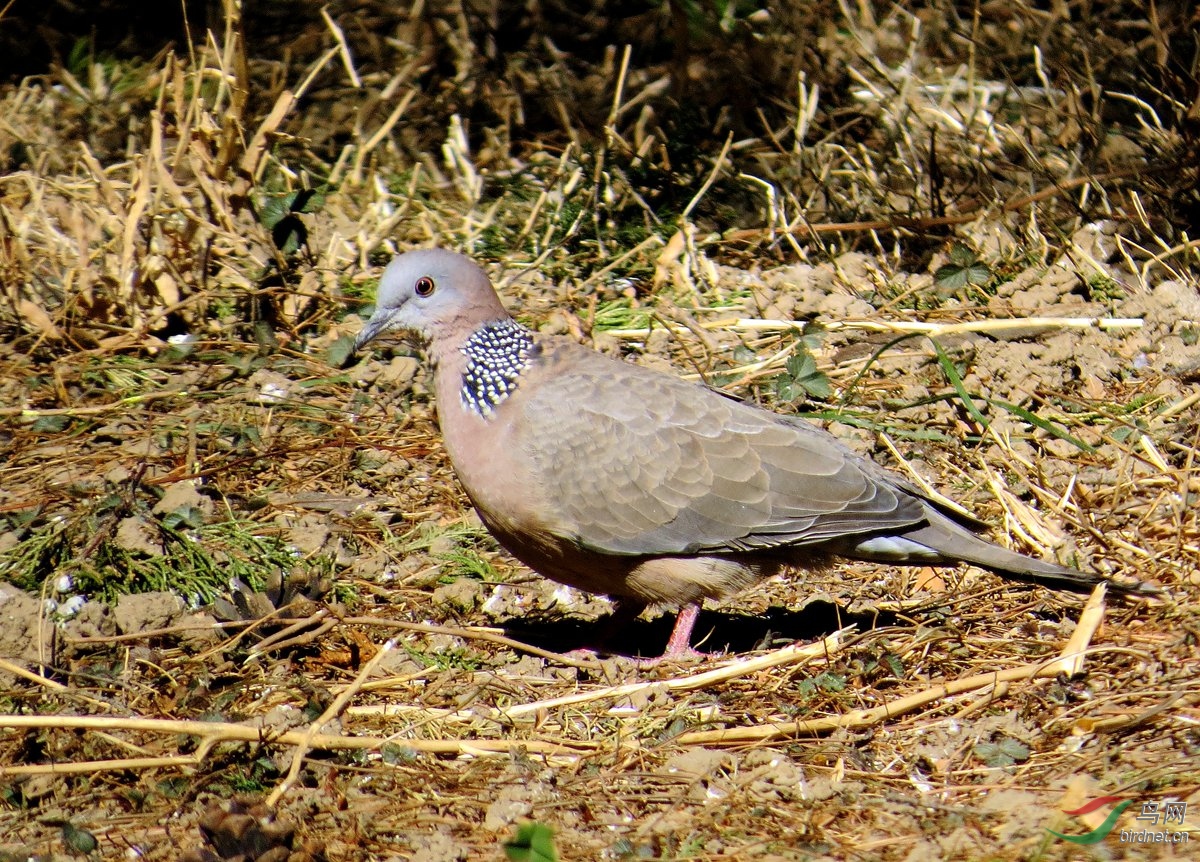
(941, 541)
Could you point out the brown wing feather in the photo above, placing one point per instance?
(643, 463)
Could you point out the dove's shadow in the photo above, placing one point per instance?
(716, 632)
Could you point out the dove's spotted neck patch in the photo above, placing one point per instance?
(496, 354)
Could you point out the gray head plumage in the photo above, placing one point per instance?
(433, 294)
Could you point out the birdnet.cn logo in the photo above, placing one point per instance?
(1157, 820)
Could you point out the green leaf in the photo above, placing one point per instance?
(340, 351)
(289, 233)
(80, 57)
(534, 843)
(50, 424)
(281, 215)
(799, 364)
(1004, 752)
(980, 273)
(956, 381)
(1123, 433)
(78, 839)
(394, 754)
(964, 268)
(814, 334)
(308, 200)
(830, 681)
(743, 355)
(272, 209)
(802, 376)
(185, 517)
(894, 664)
(817, 384)
(963, 255)
(1045, 424)
(951, 277)
(786, 389)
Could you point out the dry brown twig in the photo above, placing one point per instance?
(332, 711)
(993, 685)
(1071, 658)
(476, 634)
(212, 734)
(934, 330)
(789, 655)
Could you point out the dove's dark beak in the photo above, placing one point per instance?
(373, 327)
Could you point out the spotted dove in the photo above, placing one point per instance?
(621, 480)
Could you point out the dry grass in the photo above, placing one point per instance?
(989, 254)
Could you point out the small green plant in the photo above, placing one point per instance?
(965, 268)
(395, 754)
(345, 593)
(194, 560)
(534, 842)
(826, 682)
(104, 74)
(50, 424)
(281, 215)
(620, 314)
(457, 658)
(1128, 432)
(1102, 287)
(79, 840)
(888, 663)
(119, 374)
(691, 847)
(801, 379)
(466, 563)
(253, 777)
(439, 540)
(1005, 751)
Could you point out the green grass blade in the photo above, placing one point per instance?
(1045, 424)
(874, 358)
(956, 381)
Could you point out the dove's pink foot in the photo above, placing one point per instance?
(679, 644)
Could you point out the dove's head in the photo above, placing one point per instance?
(434, 294)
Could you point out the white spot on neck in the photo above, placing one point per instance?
(497, 354)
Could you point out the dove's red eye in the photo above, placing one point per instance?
(424, 286)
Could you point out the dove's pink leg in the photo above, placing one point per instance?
(679, 645)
